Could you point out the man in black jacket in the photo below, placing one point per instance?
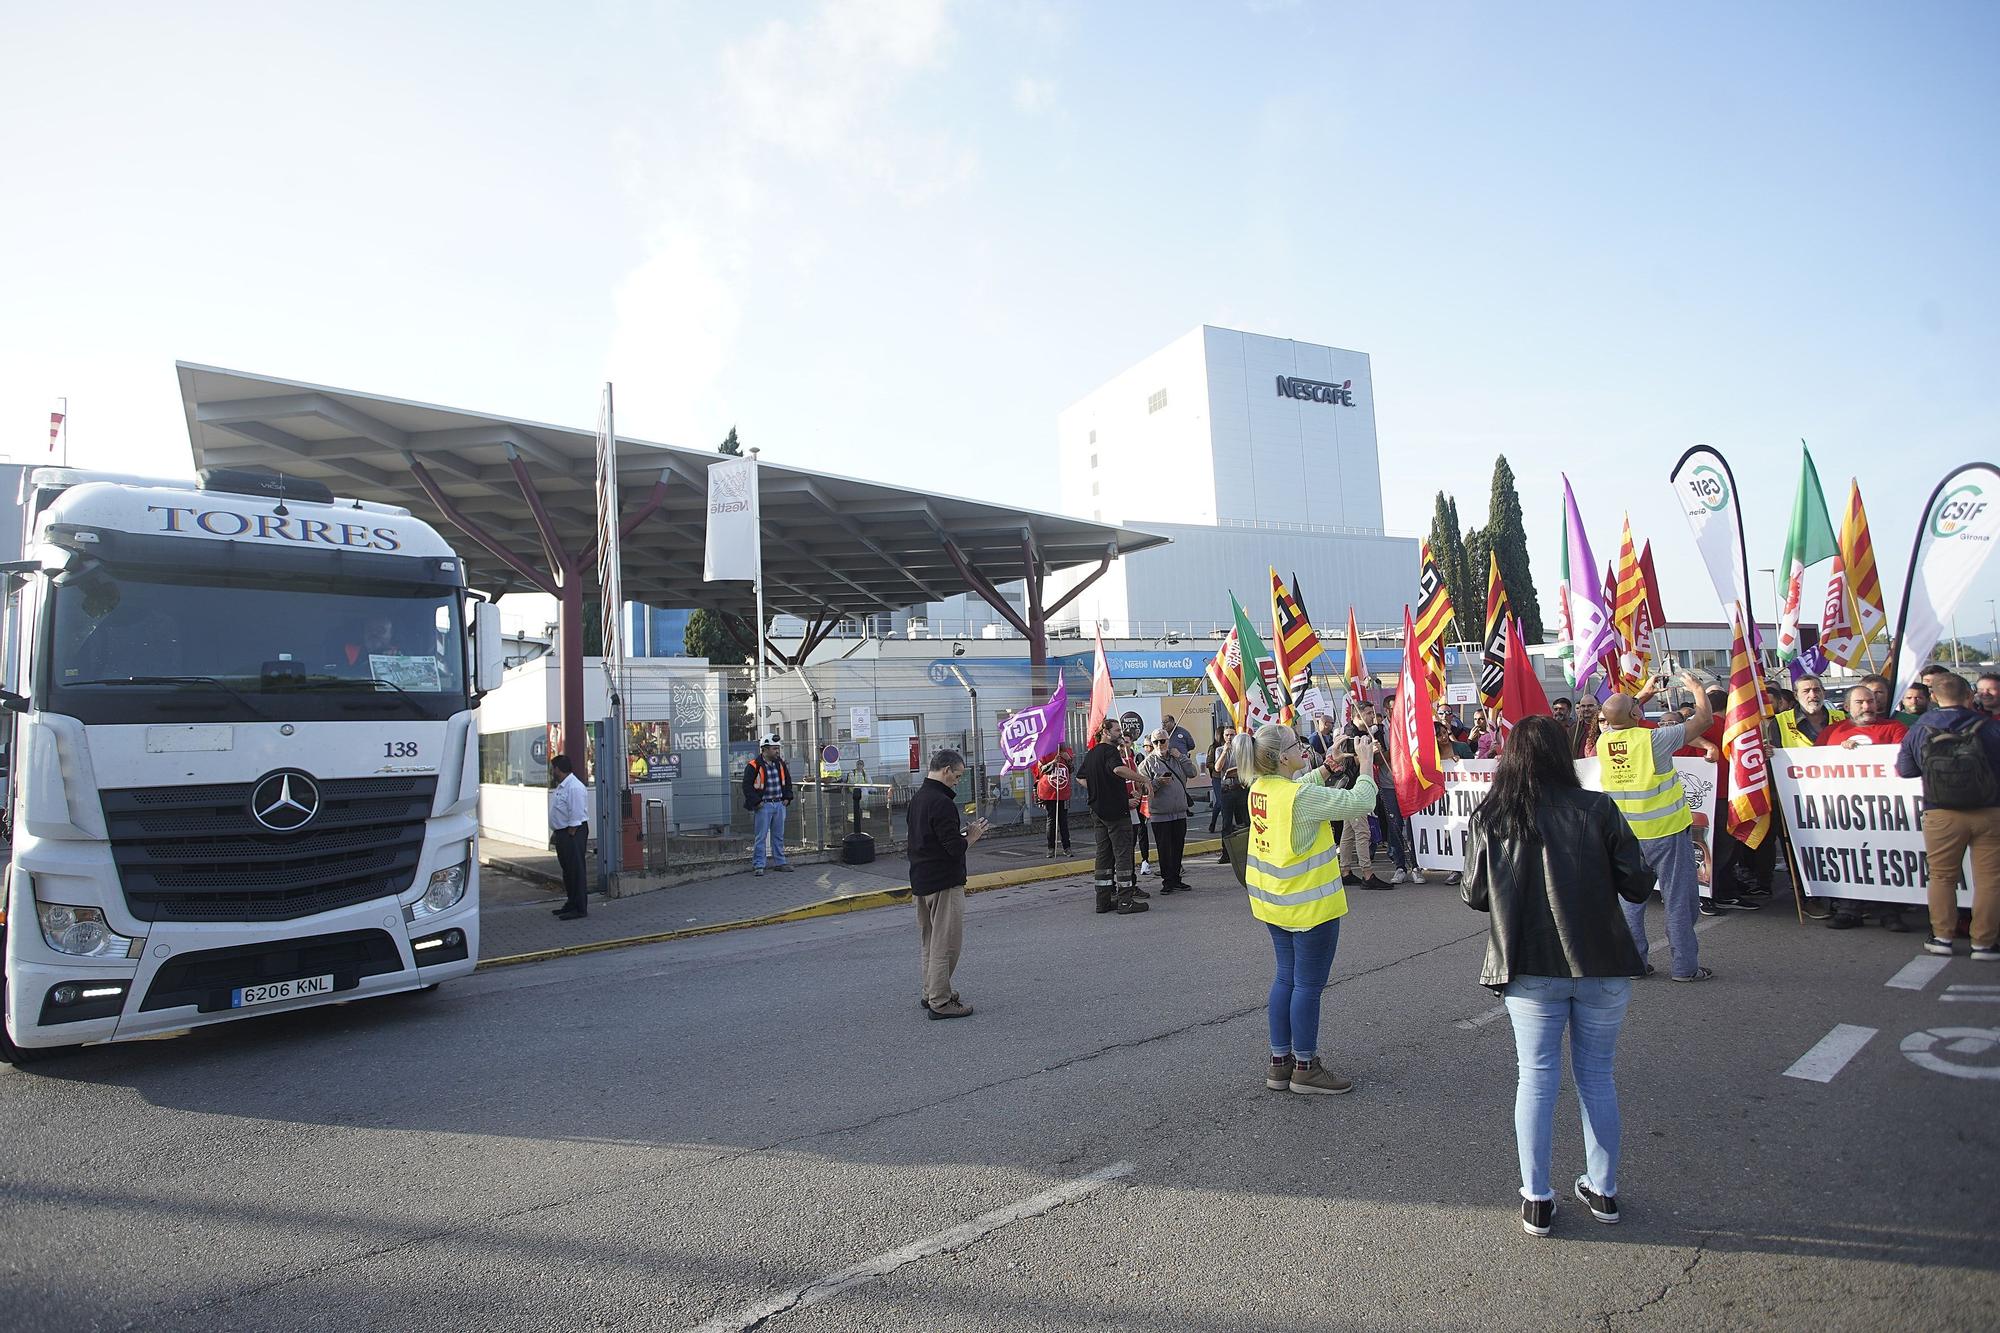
(937, 879)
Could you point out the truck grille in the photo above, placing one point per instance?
(205, 979)
(195, 854)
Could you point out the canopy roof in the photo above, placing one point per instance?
(832, 545)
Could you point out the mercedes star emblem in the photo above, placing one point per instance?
(284, 802)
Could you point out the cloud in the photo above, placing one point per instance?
(1034, 95)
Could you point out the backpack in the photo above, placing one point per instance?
(1957, 775)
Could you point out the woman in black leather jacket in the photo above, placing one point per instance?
(1548, 861)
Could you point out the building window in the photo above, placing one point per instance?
(1093, 440)
(1093, 488)
(1093, 460)
(1097, 514)
(1156, 402)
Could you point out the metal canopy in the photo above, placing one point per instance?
(833, 546)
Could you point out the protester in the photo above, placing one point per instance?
(1638, 775)
(1802, 723)
(1292, 873)
(1395, 829)
(1052, 787)
(1583, 737)
(1136, 799)
(938, 845)
(1492, 734)
(1351, 835)
(767, 792)
(1737, 871)
(1324, 738)
(1235, 795)
(1166, 770)
(1987, 690)
(1213, 767)
(1104, 774)
(569, 834)
(1561, 707)
(1916, 702)
(1864, 724)
(1549, 863)
(1178, 736)
(1955, 749)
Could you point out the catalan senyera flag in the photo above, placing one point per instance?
(1493, 658)
(1862, 615)
(1225, 673)
(1434, 619)
(1413, 752)
(1355, 669)
(1632, 615)
(1750, 798)
(1292, 637)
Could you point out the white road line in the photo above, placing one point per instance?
(1831, 1054)
(1481, 1020)
(1971, 995)
(944, 1242)
(1919, 972)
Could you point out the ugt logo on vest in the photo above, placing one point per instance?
(1259, 812)
(1615, 752)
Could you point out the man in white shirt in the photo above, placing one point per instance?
(569, 831)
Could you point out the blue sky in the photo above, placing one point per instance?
(894, 239)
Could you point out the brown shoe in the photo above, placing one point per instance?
(1312, 1076)
(949, 1009)
(1278, 1073)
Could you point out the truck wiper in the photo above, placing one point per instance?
(210, 681)
(403, 696)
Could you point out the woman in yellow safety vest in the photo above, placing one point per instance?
(1292, 870)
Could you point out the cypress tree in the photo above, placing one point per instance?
(1448, 551)
(1508, 539)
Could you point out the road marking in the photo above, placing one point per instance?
(944, 1242)
(1481, 1020)
(1831, 1054)
(1919, 1048)
(1971, 994)
(1919, 972)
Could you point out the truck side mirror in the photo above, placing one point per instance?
(488, 663)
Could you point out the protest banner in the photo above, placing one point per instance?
(1857, 828)
(1438, 834)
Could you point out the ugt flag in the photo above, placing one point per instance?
(1413, 742)
(1033, 734)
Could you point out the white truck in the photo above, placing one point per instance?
(244, 765)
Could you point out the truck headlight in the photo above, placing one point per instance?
(446, 888)
(81, 932)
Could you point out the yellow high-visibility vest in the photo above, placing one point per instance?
(1295, 888)
(1789, 735)
(1650, 798)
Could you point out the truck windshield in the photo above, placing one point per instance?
(127, 645)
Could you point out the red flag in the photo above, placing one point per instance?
(1653, 606)
(1413, 743)
(1749, 816)
(1521, 693)
(55, 426)
(1356, 669)
(1100, 693)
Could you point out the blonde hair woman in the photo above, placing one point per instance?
(1292, 871)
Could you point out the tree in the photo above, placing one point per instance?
(730, 445)
(707, 637)
(1507, 537)
(1448, 551)
(1477, 546)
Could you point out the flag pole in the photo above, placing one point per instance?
(757, 527)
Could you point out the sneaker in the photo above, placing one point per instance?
(1699, 974)
(1312, 1076)
(1129, 905)
(949, 1009)
(1417, 876)
(570, 914)
(1986, 954)
(1376, 882)
(1350, 881)
(1278, 1073)
(1537, 1216)
(927, 1004)
(1145, 869)
(1843, 921)
(783, 867)
(1603, 1207)
(758, 872)
(1141, 894)
(1401, 876)
(1937, 946)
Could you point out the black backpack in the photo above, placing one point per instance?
(1957, 774)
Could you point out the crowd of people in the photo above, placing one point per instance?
(1564, 874)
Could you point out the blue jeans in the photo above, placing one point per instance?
(1305, 957)
(1672, 859)
(1394, 826)
(770, 825)
(1593, 1009)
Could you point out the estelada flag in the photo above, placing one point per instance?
(1434, 617)
(1100, 692)
(1225, 673)
(1356, 669)
(1493, 658)
(1522, 696)
(1292, 637)
(1413, 742)
(1749, 816)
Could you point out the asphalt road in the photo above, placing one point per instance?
(704, 1130)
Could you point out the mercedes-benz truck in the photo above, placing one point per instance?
(245, 765)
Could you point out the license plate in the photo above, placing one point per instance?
(273, 991)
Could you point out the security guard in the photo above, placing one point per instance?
(1638, 773)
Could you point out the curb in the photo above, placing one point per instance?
(858, 902)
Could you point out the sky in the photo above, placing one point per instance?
(894, 238)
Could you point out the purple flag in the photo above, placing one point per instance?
(1033, 734)
(1592, 633)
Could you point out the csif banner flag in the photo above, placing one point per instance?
(1706, 489)
(1961, 519)
(734, 551)
(1033, 734)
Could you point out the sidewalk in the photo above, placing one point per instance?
(519, 921)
